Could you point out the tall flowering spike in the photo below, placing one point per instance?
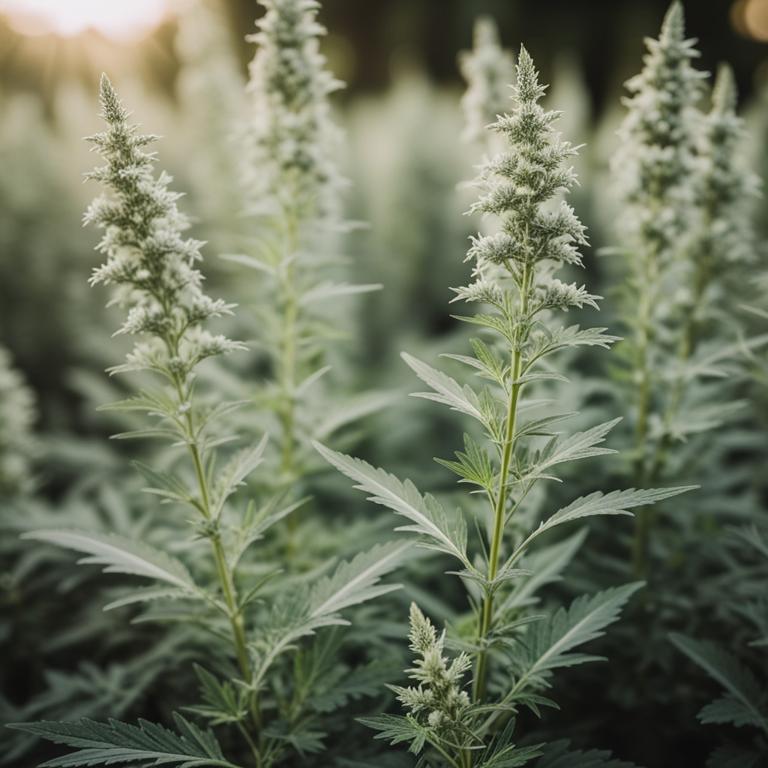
(488, 70)
(523, 186)
(17, 415)
(148, 261)
(291, 136)
(658, 137)
(726, 186)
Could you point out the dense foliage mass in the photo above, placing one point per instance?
(243, 612)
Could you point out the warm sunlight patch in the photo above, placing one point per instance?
(118, 19)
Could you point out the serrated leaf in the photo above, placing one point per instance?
(745, 703)
(115, 743)
(549, 645)
(356, 581)
(558, 755)
(581, 445)
(446, 390)
(119, 555)
(398, 729)
(428, 517)
(598, 503)
(234, 473)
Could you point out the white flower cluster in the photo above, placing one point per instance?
(291, 138)
(17, 415)
(726, 186)
(489, 71)
(656, 156)
(438, 700)
(522, 186)
(148, 260)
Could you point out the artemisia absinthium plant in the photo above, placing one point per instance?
(488, 70)
(17, 415)
(460, 712)
(152, 269)
(292, 187)
(722, 241)
(654, 167)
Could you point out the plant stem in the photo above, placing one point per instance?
(486, 618)
(287, 365)
(648, 278)
(225, 576)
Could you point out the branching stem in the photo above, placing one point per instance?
(499, 511)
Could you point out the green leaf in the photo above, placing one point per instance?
(398, 729)
(427, 515)
(356, 581)
(150, 594)
(116, 743)
(558, 755)
(745, 702)
(544, 565)
(562, 338)
(473, 465)
(119, 555)
(329, 290)
(223, 702)
(234, 473)
(447, 390)
(598, 503)
(581, 445)
(548, 644)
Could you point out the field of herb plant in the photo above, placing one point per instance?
(229, 536)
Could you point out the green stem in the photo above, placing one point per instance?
(223, 571)
(287, 365)
(643, 524)
(486, 617)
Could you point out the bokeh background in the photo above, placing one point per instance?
(181, 67)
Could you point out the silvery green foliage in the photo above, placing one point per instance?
(266, 693)
(513, 653)
(727, 188)
(656, 154)
(17, 416)
(739, 669)
(291, 137)
(149, 262)
(488, 70)
(686, 204)
(292, 184)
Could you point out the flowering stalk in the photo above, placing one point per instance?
(517, 185)
(291, 180)
(655, 161)
(152, 268)
(539, 234)
(723, 235)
